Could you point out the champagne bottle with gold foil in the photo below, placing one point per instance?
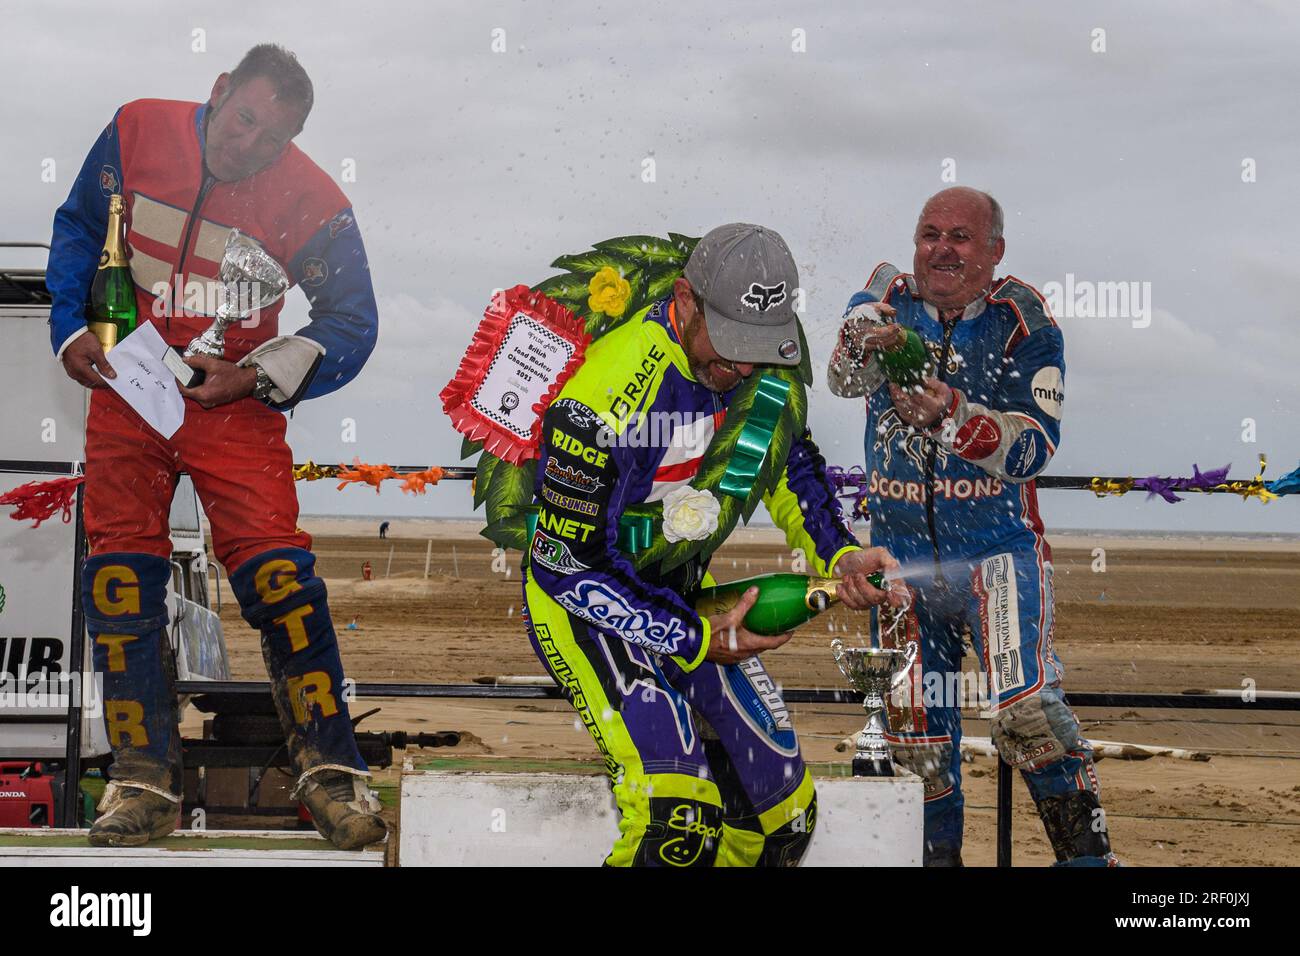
(784, 600)
(111, 313)
(905, 361)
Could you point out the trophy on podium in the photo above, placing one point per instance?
(874, 672)
(249, 279)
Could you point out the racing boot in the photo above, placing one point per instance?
(1076, 828)
(342, 808)
(131, 815)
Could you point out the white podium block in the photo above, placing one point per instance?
(560, 819)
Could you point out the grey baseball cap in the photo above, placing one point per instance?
(747, 279)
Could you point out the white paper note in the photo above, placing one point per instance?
(530, 358)
(145, 382)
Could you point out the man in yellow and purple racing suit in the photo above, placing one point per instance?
(699, 745)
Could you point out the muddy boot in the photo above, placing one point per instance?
(342, 808)
(132, 816)
(1076, 829)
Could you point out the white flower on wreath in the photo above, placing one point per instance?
(690, 514)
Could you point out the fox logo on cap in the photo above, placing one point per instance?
(763, 297)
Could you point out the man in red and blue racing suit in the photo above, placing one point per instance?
(189, 172)
(699, 746)
(951, 494)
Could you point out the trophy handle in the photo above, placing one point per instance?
(837, 653)
(912, 649)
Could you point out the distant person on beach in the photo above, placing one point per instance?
(383, 530)
(950, 468)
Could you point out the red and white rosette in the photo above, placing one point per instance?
(522, 353)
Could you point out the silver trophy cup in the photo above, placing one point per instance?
(249, 279)
(874, 672)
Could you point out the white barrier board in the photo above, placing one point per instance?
(541, 819)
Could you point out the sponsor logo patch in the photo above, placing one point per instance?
(581, 415)
(757, 696)
(562, 441)
(977, 438)
(625, 401)
(314, 271)
(601, 605)
(568, 502)
(569, 528)
(1000, 617)
(1049, 390)
(1045, 752)
(763, 297)
(1027, 454)
(108, 180)
(572, 477)
(340, 223)
(554, 554)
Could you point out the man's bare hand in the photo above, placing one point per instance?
(224, 381)
(855, 590)
(729, 640)
(84, 361)
(922, 408)
(862, 332)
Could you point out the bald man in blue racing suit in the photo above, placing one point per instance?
(950, 468)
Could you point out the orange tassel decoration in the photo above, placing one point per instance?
(373, 475)
(415, 482)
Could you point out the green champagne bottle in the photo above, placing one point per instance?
(784, 600)
(111, 313)
(907, 360)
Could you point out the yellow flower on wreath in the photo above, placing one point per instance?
(610, 292)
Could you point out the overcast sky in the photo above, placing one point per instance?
(474, 169)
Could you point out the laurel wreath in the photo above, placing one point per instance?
(649, 265)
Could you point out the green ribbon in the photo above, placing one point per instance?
(635, 531)
(755, 437)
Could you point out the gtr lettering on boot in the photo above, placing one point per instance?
(598, 603)
(685, 850)
(763, 297)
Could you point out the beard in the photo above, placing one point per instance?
(706, 372)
